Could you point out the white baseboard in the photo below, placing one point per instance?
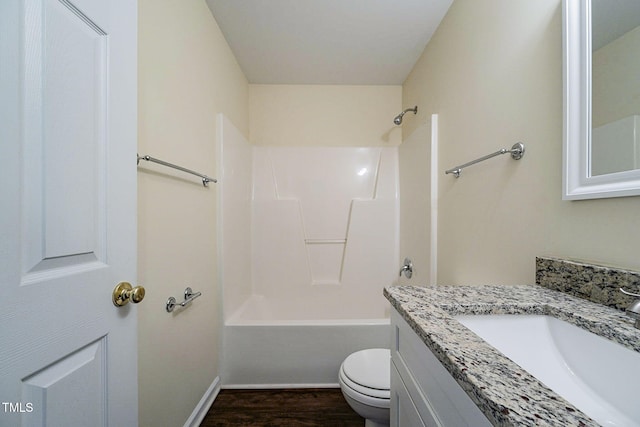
(205, 403)
(278, 386)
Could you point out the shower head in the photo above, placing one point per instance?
(398, 119)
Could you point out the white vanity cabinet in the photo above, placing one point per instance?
(423, 393)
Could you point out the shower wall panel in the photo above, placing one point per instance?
(234, 220)
(310, 225)
(325, 220)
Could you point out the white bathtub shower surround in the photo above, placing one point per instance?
(311, 222)
(234, 154)
(324, 216)
(308, 239)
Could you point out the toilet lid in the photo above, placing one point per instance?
(369, 368)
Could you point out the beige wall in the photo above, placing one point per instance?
(493, 71)
(414, 158)
(324, 115)
(187, 75)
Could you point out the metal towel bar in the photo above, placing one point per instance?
(205, 179)
(189, 296)
(516, 151)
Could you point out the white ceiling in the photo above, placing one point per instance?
(612, 19)
(356, 42)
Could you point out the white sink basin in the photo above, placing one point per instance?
(598, 376)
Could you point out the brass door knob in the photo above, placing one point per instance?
(124, 292)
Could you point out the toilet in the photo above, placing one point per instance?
(364, 379)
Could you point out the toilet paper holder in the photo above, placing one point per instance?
(189, 296)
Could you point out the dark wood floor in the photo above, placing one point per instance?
(284, 407)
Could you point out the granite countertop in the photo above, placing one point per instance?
(504, 392)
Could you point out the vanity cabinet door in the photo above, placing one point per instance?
(403, 410)
(438, 398)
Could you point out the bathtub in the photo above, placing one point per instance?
(302, 266)
(276, 343)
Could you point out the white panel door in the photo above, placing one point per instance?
(67, 212)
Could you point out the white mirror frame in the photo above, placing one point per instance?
(577, 182)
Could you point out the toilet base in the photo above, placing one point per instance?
(374, 416)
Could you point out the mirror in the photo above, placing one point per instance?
(601, 71)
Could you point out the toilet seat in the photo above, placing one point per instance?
(366, 377)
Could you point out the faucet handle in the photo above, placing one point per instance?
(633, 310)
(629, 293)
(407, 268)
